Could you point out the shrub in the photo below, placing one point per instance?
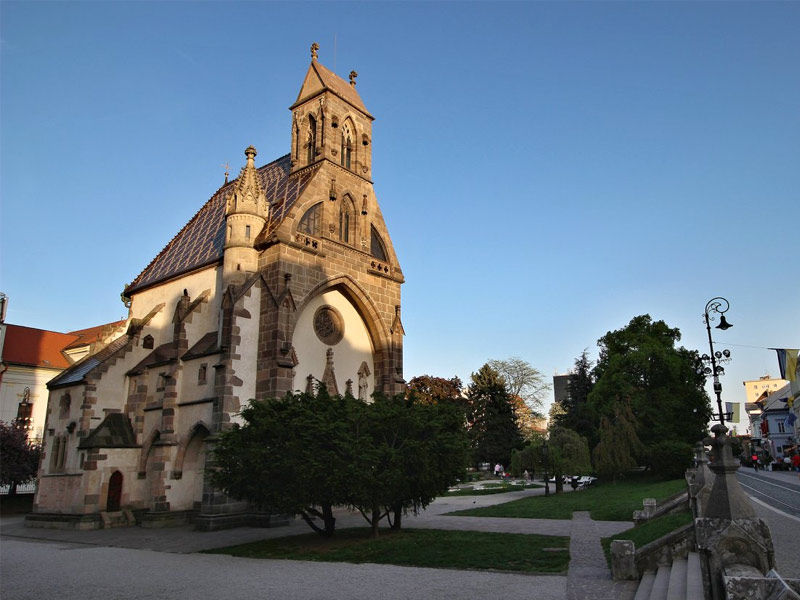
(670, 458)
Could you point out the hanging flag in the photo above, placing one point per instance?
(790, 369)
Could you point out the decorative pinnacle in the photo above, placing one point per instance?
(314, 50)
(353, 76)
(250, 153)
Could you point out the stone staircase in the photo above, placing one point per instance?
(682, 580)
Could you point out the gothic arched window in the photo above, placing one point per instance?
(346, 220)
(377, 248)
(312, 138)
(311, 223)
(347, 146)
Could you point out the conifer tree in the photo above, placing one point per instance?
(491, 420)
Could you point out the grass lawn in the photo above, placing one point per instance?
(649, 531)
(498, 488)
(420, 548)
(605, 502)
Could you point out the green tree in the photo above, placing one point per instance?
(574, 412)
(491, 420)
(305, 454)
(529, 457)
(663, 385)
(615, 454)
(19, 458)
(408, 454)
(570, 452)
(294, 455)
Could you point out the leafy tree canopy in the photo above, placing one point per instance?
(19, 459)
(305, 454)
(430, 390)
(663, 384)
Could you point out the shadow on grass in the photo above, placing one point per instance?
(431, 548)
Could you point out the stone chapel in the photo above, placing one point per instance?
(286, 277)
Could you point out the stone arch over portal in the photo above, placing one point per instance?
(335, 356)
(348, 287)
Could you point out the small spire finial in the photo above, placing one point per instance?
(314, 50)
(353, 75)
(227, 168)
(250, 153)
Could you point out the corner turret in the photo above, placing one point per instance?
(246, 212)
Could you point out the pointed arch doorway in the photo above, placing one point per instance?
(114, 492)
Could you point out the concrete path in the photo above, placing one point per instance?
(131, 562)
(589, 576)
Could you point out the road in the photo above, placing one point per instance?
(776, 499)
(780, 490)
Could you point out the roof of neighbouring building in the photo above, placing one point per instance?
(36, 347)
(202, 239)
(77, 373)
(95, 334)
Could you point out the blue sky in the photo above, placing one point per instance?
(547, 171)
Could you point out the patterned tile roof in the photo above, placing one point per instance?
(202, 239)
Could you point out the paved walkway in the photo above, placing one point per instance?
(587, 576)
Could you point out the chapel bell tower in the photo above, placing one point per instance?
(330, 122)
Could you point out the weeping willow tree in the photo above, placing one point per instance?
(619, 446)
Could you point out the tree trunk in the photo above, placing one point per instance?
(328, 519)
(398, 517)
(12, 488)
(376, 518)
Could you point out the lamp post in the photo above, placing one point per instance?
(720, 306)
(544, 457)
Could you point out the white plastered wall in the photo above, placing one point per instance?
(204, 319)
(354, 348)
(15, 380)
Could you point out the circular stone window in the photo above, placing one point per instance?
(328, 325)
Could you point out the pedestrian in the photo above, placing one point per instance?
(796, 461)
(754, 459)
(787, 463)
(526, 475)
(498, 470)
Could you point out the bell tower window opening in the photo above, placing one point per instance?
(247, 232)
(312, 138)
(377, 249)
(311, 223)
(347, 146)
(346, 219)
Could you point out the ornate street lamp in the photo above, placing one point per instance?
(720, 306)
